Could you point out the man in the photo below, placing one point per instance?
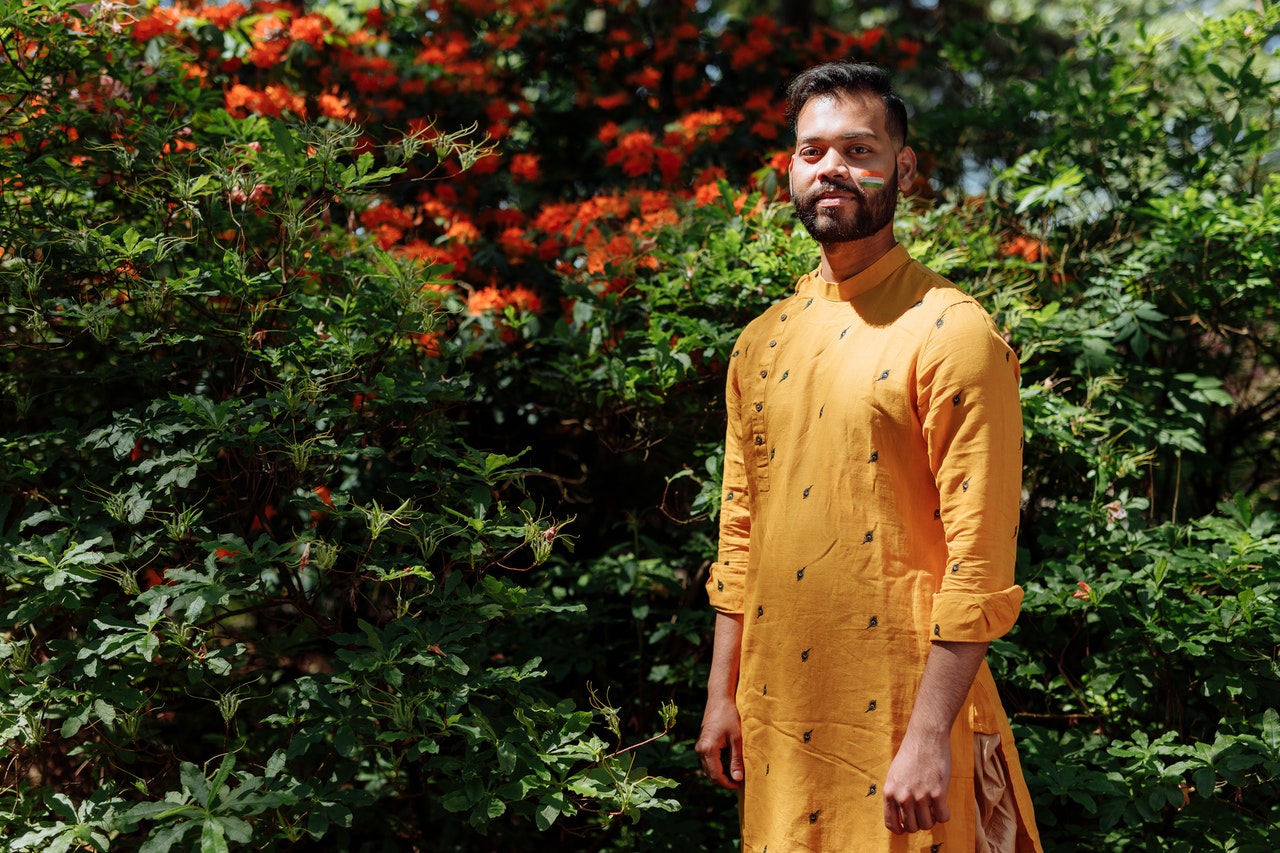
(872, 480)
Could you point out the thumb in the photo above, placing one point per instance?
(735, 759)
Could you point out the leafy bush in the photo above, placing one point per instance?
(361, 421)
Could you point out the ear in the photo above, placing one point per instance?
(906, 168)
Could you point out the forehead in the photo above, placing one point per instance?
(843, 114)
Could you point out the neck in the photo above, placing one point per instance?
(845, 260)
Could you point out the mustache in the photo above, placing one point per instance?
(837, 185)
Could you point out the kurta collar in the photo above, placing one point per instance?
(870, 278)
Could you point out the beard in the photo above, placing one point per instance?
(873, 211)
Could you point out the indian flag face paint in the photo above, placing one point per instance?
(868, 178)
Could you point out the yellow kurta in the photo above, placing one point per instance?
(871, 488)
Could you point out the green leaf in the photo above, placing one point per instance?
(456, 801)
(284, 139)
(1271, 732)
(212, 837)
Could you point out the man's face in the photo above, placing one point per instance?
(838, 140)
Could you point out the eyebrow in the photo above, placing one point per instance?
(854, 134)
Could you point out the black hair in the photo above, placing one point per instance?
(848, 78)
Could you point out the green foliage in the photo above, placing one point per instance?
(352, 500)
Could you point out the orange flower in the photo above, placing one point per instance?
(525, 167)
(515, 244)
(429, 343)
(1030, 249)
(615, 101)
(669, 163)
(635, 152)
(222, 15)
(337, 107)
(382, 212)
(647, 78)
(463, 232)
(176, 145)
(310, 29)
(1085, 592)
(869, 38)
(607, 133)
(161, 21)
(493, 298)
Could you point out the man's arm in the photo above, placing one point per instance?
(915, 790)
(721, 726)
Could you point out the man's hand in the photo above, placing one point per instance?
(915, 791)
(721, 730)
(721, 726)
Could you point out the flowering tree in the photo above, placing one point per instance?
(361, 411)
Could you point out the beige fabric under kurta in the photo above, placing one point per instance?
(871, 489)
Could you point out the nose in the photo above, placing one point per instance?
(833, 163)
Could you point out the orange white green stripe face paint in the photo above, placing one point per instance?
(868, 179)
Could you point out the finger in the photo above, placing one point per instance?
(941, 814)
(924, 815)
(891, 820)
(908, 813)
(737, 770)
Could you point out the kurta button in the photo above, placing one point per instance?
(871, 792)
(759, 406)
(783, 318)
(773, 343)
(813, 817)
(763, 374)
(759, 439)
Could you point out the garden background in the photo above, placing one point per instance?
(360, 405)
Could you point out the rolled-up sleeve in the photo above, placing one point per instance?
(972, 420)
(726, 584)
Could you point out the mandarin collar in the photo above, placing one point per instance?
(857, 285)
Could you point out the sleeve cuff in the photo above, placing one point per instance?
(962, 617)
(725, 587)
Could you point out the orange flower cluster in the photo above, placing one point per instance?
(162, 21)
(1029, 249)
(272, 100)
(525, 167)
(387, 222)
(637, 153)
(496, 299)
(677, 130)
